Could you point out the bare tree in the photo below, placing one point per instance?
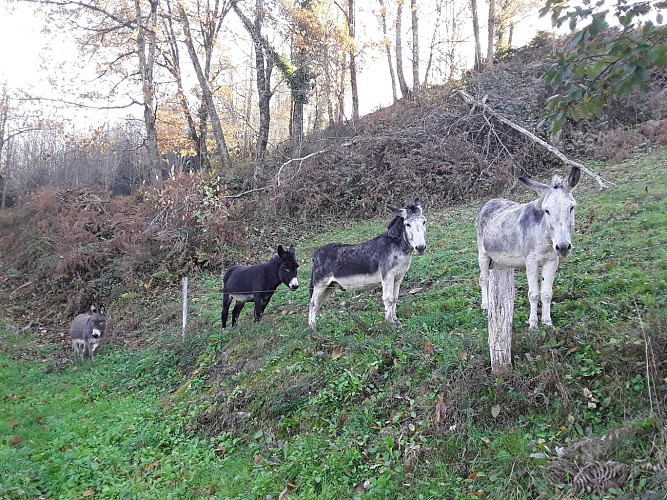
(210, 36)
(435, 39)
(399, 50)
(146, 48)
(4, 172)
(127, 31)
(508, 13)
(172, 62)
(387, 47)
(415, 45)
(265, 57)
(475, 28)
(353, 59)
(263, 69)
(490, 33)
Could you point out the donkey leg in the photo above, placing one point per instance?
(397, 287)
(86, 350)
(93, 350)
(319, 295)
(236, 311)
(389, 301)
(261, 301)
(78, 350)
(226, 302)
(546, 292)
(533, 275)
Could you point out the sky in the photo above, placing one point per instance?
(30, 58)
(22, 45)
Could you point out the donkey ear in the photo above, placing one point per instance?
(401, 212)
(573, 178)
(281, 251)
(538, 187)
(102, 310)
(417, 203)
(292, 250)
(93, 308)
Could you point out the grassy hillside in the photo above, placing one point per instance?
(361, 408)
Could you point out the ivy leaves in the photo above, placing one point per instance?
(603, 62)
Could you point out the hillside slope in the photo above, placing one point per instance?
(360, 408)
(65, 249)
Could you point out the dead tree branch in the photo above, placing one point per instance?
(483, 106)
(277, 177)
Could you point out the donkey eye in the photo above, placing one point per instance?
(571, 209)
(407, 224)
(547, 212)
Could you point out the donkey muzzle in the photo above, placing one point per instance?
(293, 284)
(419, 249)
(96, 334)
(563, 248)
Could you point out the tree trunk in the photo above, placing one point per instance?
(3, 194)
(475, 29)
(415, 45)
(263, 68)
(353, 60)
(203, 135)
(501, 313)
(329, 86)
(4, 112)
(247, 112)
(299, 87)
(490, 33)
(297, 127)
(174, 67)
(340, 118)
(399, 51)
(264, 63)
(387, 47)
(207, 94)
(146, 47)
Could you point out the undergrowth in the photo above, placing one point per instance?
(359, 408)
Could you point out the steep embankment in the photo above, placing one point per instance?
(360, 407)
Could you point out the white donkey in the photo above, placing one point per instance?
(528, 236)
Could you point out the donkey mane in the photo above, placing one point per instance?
(395, 227)
(557, 182)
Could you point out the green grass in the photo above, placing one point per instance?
(253, 410)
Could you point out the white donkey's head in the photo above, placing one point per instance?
(558, 204)
(414, 225)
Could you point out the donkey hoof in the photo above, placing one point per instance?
(395, 323)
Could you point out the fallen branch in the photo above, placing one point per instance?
(277, 177)
(482, 105)
(24, 284)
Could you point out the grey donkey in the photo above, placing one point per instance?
(87, 331)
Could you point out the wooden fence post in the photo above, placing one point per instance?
(501, 311)
(185, 306)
